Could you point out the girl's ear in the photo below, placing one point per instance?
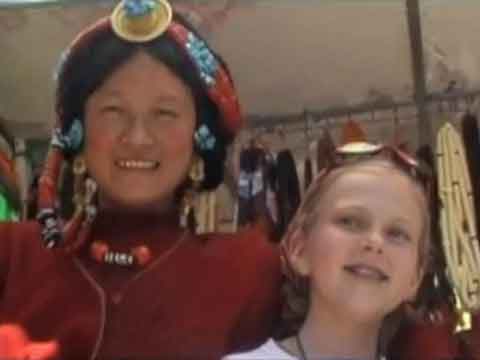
(298, 254)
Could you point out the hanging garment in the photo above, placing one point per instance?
(31, 206)
(308, 172)
(288, 189)
(352, 132)
(205, 210)
(271, 185)
(458, 223)
(23, 172)
(325, 151)
(7, 212)
(251, 186)
(8, 187)
(398, 139)
(435, 290)
(471, 140)
(439, 340)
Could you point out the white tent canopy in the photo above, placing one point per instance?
(286, 55)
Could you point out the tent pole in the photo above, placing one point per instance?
(425, 135)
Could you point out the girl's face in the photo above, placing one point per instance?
(139, 135)
(362, 254)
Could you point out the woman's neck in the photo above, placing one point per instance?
(130, 228)
(107, 205)
(326, 334)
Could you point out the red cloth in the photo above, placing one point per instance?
(15, 344)
(214, 294)
(425, 341)
(472, 339)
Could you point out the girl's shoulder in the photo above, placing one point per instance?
(268, 351)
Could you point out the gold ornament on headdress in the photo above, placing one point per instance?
(141, 20)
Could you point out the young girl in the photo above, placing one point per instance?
(354, 256)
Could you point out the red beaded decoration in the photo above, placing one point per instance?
(138, 256)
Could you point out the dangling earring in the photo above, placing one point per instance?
(90, 206)
(196, 176)
(197, 172)
(79, 172)
(85, 189)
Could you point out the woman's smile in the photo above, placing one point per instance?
(130, 164)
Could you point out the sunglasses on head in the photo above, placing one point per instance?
(362, 151)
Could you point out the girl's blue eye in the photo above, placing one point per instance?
(350, 222)
(398, 235)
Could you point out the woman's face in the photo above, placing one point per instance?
(362, 254)
(139, 135)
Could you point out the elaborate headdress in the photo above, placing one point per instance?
(134, 21)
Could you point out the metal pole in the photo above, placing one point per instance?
(425, 135)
